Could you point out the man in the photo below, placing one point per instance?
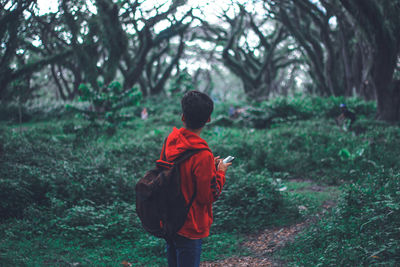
(201, 173)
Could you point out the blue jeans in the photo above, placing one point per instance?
(184, 252)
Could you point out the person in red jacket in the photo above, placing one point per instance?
(202, 170)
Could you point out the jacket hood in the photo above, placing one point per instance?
(181, 140)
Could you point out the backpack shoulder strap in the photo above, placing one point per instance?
(163, 157)
(163, 161)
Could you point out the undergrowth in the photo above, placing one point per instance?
(363, 230)
(67, 187)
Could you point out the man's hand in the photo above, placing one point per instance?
(221, 166)
(217, 160)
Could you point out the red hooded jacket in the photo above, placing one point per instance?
(199, 168)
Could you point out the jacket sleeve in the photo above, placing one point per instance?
(209, 181)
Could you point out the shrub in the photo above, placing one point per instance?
(33, 110)
(363, 228)
(66, 177)
(249, 202)
(105, 104)
(282, 109)
(116, 221)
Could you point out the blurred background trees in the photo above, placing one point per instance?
(322, 47)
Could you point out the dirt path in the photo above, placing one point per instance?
(263, 245)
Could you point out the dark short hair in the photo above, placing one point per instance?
(197, 108)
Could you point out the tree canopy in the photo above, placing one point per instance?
(324, 47)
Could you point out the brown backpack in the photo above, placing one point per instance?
(160, 203)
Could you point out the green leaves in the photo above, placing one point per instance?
(344, 154)
(363, 229)
(68, 191)
(104, 106)
(97, 222)
(257, 193)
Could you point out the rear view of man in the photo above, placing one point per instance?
(201, 174)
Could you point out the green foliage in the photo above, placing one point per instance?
(256, 192)
(67, 190)
(85, 186)
(363, 228)
(74, 175)
(310, 197)
(165, 112)
(105, 104)
(316, 149)
(33, 110)
(97, 222)
(265, 114)
(181, 83)
(223, 244)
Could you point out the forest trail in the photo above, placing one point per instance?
(264, 244)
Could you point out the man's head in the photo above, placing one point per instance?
(196, 108)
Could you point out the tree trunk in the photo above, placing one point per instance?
(389, 102)
(387, 90)
(379, 21)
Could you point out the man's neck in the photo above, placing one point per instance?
(196, 131)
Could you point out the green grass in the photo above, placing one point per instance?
(49, 251)
(67, 187)
(311, 195)
(71, 197)
(362, 230)
(223, 245)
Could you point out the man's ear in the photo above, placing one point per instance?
(183, 118)
(209, 119)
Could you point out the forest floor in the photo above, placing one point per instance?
(264, 244)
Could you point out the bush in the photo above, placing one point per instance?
(34, 110)
(36, 168)
(281, 109)
(254, 191)
(117, 221)
(67, 188)
(105, 104)
(363, 229)
(314, 149)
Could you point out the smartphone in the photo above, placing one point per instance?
(228, 159)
